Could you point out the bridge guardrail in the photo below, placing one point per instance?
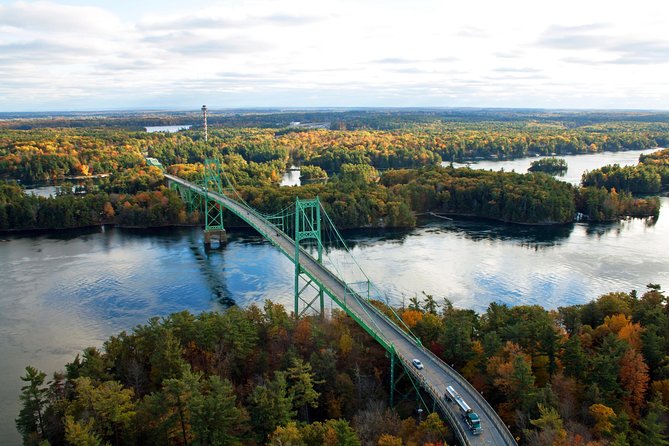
(482, 403)
(452, 418)
(348, 291)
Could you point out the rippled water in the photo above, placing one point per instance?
(61, 293)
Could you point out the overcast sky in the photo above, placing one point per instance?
(119, 54)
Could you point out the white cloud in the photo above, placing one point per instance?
(218, 19)
(54, 17)
(367, 52)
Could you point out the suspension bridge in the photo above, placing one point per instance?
(297, 231)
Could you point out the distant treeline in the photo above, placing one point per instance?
(53, 153)
(414, 146)
(339, 119)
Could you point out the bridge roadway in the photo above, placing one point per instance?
(433, 378)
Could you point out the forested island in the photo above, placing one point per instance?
(367, 174)
(549, 165)
(594, 374)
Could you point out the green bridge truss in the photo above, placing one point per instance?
(309, 227)
(306, 226)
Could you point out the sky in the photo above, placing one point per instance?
(120, 54)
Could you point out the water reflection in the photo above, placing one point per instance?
(528, 236)
(291, 177)
(370, 236)
(617, 228)
(209, 261)
(535, 236)
(68, 234)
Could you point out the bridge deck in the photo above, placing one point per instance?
(434, 377)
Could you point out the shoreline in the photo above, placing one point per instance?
(448, 216)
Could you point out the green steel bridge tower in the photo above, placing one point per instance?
(307, 227)
(213, 210)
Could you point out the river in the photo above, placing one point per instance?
(62, 292)
(577, 164)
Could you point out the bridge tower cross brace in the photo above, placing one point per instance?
(192, 199)
(213, 211)
(307, 227)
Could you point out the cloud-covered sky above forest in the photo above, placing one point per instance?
(98, 55)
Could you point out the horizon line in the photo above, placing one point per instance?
(214, 108)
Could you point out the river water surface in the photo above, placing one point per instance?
(62, 292)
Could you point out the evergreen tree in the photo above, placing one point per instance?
(167, 360)
(414, 303)
(301, 386)
(339, 433)
(574, 359)
(606, 364)
(177, 394)
(430, 304)
(33, 396)
(653, 427)
(271, 406)
(523, 383)
(215, 419)
(457, 331)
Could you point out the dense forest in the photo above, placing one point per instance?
(56, 151)
(650, 176)
(356, 198)
(594, 374)
(366, 178)
(413, 146)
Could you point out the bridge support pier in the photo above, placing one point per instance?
(217, 235)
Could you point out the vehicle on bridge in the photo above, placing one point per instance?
(416, 363)
(468, 415)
